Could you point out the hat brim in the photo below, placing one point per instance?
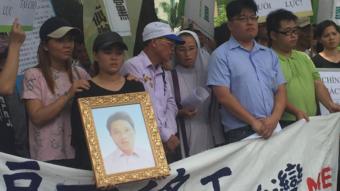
(62, 31)
(109, 44)
(174, 38)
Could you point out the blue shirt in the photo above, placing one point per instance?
(251, 76)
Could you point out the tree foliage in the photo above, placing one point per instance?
(221, 13)
(174, 11)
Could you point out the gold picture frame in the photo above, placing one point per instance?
(100, 110)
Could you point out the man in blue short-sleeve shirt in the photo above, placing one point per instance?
(246, 78)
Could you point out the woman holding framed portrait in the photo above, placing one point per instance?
(108, 54)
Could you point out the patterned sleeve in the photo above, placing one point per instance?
(32, 84)
(82, 73)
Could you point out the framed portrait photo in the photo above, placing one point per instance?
(122, 138)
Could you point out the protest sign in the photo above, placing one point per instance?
(118, 17)
(200, 15)
(303, 156)
(331, 79)
(23, 10)
(96, 21)
(301, 8)
(28, 52)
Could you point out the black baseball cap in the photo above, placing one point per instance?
(107, 39)
(56, 27)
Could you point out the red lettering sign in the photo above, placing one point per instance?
(323, 181)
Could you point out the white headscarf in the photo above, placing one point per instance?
(197, 128)
(201, 62)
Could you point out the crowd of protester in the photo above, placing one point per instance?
(262, 76)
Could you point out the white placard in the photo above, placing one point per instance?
(331, 79)
(118, 17)
(28, 51)
(21, 9)
(336, 12)
(296, 6)
(200, 13)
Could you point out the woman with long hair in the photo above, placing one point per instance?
(108, 54)
(47, 91)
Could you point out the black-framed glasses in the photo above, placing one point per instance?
(291, 32)
(244, 19)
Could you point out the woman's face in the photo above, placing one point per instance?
(186, 53)
(330, 37)
(109, 61)
(60, 49)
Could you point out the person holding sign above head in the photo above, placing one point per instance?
(304, 86)
(108, 54)
(48, 89)
(246, 78)
(9, 68)
(8, 72)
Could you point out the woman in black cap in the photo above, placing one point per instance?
(47, 91)
(108, 54)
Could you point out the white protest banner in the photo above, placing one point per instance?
(11, 9)
(303, 157)
(28, 51)
(331, 79)
(200, 14)
(301, 8)
(118, 17)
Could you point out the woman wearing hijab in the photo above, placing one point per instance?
(189, 75)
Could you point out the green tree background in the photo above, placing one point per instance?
(174, 11)
(221, 14)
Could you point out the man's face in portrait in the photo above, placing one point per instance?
(123, 134)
